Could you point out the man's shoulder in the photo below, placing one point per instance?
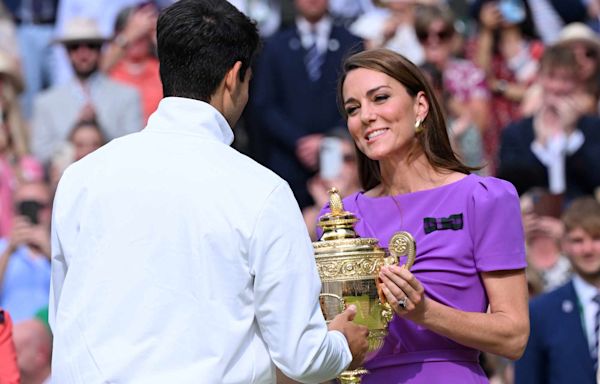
(251, 169)
(54, 94)
(546, 301)
(119, 88)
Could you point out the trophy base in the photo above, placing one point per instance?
(352, 377)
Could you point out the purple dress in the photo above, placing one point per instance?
(470, 226)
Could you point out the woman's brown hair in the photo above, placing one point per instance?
(432, 140)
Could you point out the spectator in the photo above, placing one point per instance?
(16, 165)
(543, 233)
(91, 94)
(391, 26)
(563, 346)
(337, 168)
(548, 17)
(293, 97)
(506, 49)
(33, 345)
(85, 137)
(138, 65)
(460, 85)
(585, 45)
(25, 254)
(558, 148)
(35, 29)
(9, 370)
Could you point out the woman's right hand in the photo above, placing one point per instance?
(403, 291)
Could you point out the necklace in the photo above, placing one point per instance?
(401, 243)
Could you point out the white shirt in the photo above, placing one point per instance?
(588, 307)
(318, 33)
(176, 259)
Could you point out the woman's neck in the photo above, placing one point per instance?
(403, 176)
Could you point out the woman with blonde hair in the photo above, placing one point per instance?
(16, 164)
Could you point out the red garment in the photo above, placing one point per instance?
(147, 82)
(9, 370)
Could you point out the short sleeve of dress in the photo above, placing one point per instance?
(496, 227)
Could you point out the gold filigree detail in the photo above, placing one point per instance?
(348, 268)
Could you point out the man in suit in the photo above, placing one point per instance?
(558, 148)
(563, 345)
(293, 99)
(89, 94)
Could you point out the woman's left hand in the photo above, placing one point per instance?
(403, 291)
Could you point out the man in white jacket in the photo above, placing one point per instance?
(175, 258)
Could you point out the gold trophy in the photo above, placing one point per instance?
(349, 269)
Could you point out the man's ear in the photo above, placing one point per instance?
(232, 78)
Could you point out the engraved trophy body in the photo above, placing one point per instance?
(349, 267)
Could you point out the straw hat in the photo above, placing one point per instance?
(9, 68)
(578, 32)
(80, 30)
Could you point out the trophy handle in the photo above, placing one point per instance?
(342, 303)
(402, 243)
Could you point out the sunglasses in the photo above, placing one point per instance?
(443, 35)
(75, 46)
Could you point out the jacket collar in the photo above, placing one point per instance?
(191, 117)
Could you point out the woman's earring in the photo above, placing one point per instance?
(418, 127)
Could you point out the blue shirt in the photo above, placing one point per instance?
(26, 285)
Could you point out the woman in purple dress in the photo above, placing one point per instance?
(467, 290)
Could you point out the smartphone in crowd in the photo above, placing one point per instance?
(331, 158)
(30, 209)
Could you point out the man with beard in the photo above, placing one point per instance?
(90, 94)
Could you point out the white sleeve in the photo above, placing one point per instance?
(64, 231)
(286, 288)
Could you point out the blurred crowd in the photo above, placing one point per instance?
(519, 81)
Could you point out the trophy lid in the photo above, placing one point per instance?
(340, 246)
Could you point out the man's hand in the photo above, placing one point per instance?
(355, 334)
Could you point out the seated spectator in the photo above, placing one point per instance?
(33, 345)
(563, 345)
(137, 65)
(25, 254)
(9, 370)
(337, 169)
(459, 83)
(558, 148)
(16, 165)
(117, 107)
